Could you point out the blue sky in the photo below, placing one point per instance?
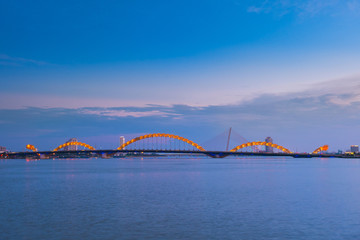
(96, 70)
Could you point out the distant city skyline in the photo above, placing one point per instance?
(100, 70)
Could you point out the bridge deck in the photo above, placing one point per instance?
(111, 153)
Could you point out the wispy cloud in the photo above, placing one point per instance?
(307, 7)
(113, 112)
(18, 61)
(255, 9)
(353, 5)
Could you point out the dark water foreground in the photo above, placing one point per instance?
(180, 198)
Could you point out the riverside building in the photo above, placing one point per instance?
(354, 148)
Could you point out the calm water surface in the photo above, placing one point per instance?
(180, 198)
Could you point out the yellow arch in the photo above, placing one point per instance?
(31, 147)
(320, 149)
(261, 143)
(161, 135)
(73, 143)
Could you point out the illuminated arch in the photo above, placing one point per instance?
(161, 135)
(320, 149)
(31, 147)
(261, 143)
(74, 143)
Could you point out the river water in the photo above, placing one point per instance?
(180, 198)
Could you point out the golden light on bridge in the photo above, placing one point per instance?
(31, 147)
(249, 144)
(172, 136)
(320, 149)
(74, 143)
(162, 135)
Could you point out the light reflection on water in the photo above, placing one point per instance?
(180, 198)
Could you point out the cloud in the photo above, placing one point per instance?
(18, 61)
(307, 7)
(353, 5)
(113, 112)
(253, 9)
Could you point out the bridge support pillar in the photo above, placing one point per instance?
(106, 155)
(217, 155)
(43, 156)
